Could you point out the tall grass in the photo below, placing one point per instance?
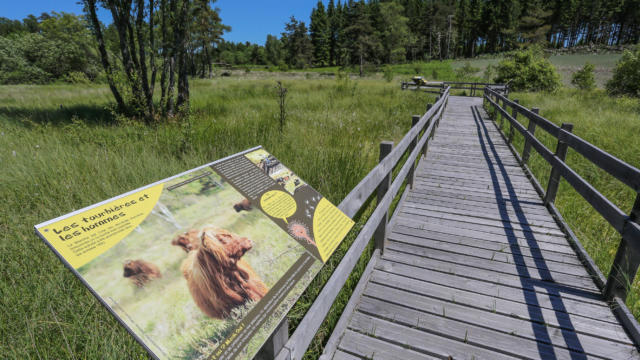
(62, 149)
(612, 124)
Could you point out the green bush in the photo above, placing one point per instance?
(76, 77)
(626, 75)
(583, 79)
(528, 70)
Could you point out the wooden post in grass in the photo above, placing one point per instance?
(625, 265)
(527, 145)
(275, 343)
(514, 113)
(414, 120)
(381, 231)
(554, 179)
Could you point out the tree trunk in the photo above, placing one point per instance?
(142, 71)
(91, 6)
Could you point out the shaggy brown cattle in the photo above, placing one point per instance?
(188, 241)
(243, 205)
(140, 272)
(218, 279)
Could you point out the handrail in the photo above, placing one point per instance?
(627, 260)
(619, 169)
(300, 340)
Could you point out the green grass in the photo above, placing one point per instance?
(612, 124)
(61, 149)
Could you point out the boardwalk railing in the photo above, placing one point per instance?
(378, 181)
(627, 260)
(473, 87)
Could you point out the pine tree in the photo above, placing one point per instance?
(320, 36)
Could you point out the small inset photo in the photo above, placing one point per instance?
(274, 168)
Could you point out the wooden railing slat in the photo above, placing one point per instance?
(617, 168)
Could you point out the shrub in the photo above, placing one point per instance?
(583, 79)
(626, 75)
(76, 77)
(528, 70)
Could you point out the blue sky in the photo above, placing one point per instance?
(250, 20)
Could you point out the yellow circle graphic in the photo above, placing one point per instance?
(278, 204)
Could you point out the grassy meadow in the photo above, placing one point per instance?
(61, 149)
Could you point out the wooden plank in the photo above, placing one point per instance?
(509, 254)
(341, 355)
(370, 348)
(421, 221)
(474, 216)
(518, 248)
(491, 212)
(532, 269)
(461, 200)
(559, 319)
(417, 340)
(537, 297)
(556, 244)
(445, 326)
(498, 332)
(507, 279)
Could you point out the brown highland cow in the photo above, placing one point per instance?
(140, 272)
(218, 279)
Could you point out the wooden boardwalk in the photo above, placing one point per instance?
(475, 266)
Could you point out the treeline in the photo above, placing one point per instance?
(394, 31)
(55, 46)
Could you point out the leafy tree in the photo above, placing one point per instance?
(207, 31)
(626, 75)
(395, 33)
(583, 79)
(528, 70)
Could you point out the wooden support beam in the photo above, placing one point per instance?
(626, 263)
(381, 231)
(275, 343)
(554, 179)
(527, 144)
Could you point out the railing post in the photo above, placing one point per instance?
(381, 231)
(501, 116)
(414, 120)
(526, 151)
(554, 179)
(625, 265)
(275, 343)
(514, 114)
(426, 143)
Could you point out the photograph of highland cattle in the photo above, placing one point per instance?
(418, 179)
